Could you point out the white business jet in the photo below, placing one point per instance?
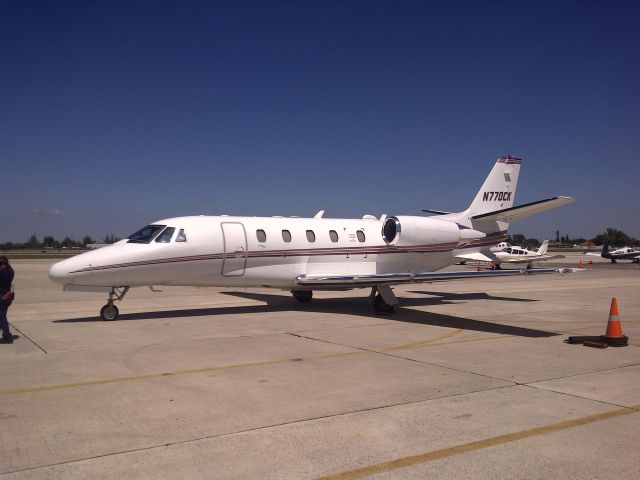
(305, 254)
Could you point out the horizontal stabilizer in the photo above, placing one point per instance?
(436, 212)
(359, 281)
(523, 211)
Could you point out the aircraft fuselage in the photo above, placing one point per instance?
(253, 251)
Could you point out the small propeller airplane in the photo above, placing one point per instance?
(624, 253)
(306, 254)
(516, 254)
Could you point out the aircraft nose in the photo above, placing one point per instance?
(60, 272)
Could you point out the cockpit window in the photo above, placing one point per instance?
(165, 236)
(146, 234)
(181, 237)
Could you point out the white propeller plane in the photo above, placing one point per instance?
(515, 254)
(305, 254)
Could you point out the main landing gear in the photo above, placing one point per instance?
(303, 296)
(383, 300)
(382, 297)
(110, 311)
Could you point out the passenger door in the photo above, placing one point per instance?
(235, 249)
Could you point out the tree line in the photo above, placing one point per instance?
(50, 243)
(611, 235)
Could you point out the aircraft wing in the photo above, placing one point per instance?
(522, 211)
(532, 259)
(360, 281)
(476, 257)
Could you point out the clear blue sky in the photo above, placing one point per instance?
(114, 114)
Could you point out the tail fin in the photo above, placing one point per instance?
(605, 251)
(492, 209)
(543, 248)
(499, 189)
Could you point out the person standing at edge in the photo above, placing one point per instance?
(6, 277)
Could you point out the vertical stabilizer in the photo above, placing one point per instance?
(543, 248)
(499, 189)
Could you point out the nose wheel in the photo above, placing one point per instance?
(110, 312)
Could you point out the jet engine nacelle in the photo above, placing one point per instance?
(405, 230)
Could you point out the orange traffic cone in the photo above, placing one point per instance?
(580, 264)
(614, 336)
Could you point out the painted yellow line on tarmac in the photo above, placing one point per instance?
(423, 343)
(172, 374)
(477, 445)
(224, 367)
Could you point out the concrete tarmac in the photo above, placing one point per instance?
(469, 379)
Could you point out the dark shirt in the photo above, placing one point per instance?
(6, 277)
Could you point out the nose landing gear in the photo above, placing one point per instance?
(110, 311)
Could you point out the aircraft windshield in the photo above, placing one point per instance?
(165, 236)
(146, 234)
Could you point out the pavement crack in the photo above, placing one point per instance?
(400, 357)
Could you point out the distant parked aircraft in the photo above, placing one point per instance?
(624, 253)
(514, 254)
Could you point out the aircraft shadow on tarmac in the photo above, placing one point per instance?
(347, 306)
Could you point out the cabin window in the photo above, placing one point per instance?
(146, 234)
(333, 235)
(286, 235)
(181, 237)
(165, 236)
(311, 236)
(262, 236)
(360, 235)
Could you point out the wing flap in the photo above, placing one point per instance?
(358, 281)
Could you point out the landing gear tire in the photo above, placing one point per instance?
(381, 307)
(303, 296)
(109, 312)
